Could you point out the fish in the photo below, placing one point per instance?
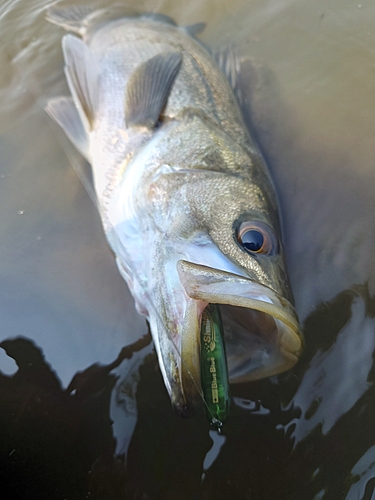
(185, 197)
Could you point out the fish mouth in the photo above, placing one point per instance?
(261, 332)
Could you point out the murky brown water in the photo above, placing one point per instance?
(306, 435)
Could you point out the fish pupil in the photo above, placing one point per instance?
(252, 240)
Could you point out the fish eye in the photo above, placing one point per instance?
(256, 238)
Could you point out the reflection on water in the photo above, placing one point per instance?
(76, 416)
(58, 443)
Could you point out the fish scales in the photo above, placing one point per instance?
(190, 89)
(185, 197)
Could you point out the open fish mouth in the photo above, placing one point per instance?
(261, 332)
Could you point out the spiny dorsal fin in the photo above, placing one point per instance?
(194, 29)
(229, 62)
(148, 89)
(248, 78)
(70, 18)
(82, 73)
(64, 112)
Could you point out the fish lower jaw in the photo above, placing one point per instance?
(262, 335)
(179, 358)
(260, 330)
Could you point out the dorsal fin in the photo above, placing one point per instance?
(247, 77)
(229, 62)
(148, 89)
(82, 72)
(70, 18)
(64, 112)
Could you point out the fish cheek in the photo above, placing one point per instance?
(159, 208)
(168, 206)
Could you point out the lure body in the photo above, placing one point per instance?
(214, 371)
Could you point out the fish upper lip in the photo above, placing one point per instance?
(206, 283)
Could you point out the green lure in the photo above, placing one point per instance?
(214, 371)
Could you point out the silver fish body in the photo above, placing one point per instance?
(180, 187)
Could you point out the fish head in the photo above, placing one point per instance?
(211, 237)
(186, 237)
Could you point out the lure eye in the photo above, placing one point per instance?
(256, 237)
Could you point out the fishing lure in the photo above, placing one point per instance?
(214, 371)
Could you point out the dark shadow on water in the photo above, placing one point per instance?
(60, 444)
(55, 444)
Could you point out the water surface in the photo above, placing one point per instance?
(78, 416)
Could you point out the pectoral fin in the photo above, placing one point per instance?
(64, 112)
(82, 72)
(148, 89)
